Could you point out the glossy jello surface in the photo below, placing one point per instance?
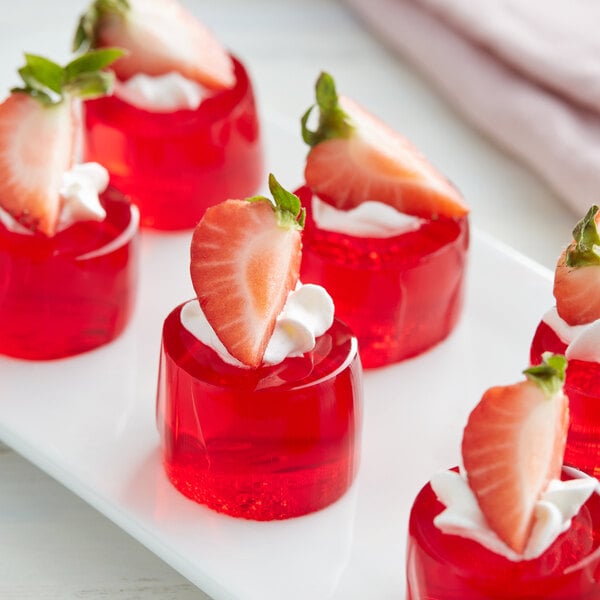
(449, 567)
(175, 165)
(399, 295)
(72, 292)
(268, 443)
(545, 339)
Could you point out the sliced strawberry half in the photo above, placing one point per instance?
(513, 445)
(245, 259)
(355, 157)
(36, 148)
(577, 273)
(160, 37)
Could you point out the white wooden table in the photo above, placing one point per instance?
(52, 545)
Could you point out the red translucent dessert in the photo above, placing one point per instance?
(269, 443)
(400, 295)
(68, 258)
(172, 164)
(450, 567)
(545, 339)
(399, 288)
(260, 393)
(513, 524)
(71, 292)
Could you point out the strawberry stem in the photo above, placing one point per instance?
(586, 248)
(333, 121)
(287, 206)
(550, 375)
(86, 33)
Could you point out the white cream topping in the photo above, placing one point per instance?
(369, 219)
(552, 514)
(79, 192)
(567, 333)
(161, 93)
(307, 314)
(586, 344)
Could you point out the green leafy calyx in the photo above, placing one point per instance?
(83, 77)
(550, 375)
(585, 250)
(287, 207)
(333, 121)
(86, 34)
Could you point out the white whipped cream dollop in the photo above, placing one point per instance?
(567, 333)
(586, 344)
(552, 514)
(161, 93)
(80, 189)
(307, 314)
(369, 219)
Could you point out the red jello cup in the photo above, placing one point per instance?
(175, 165)
(399, 295)
(72, 292)
(545, 339)
(582, 386)
(268, 443)
(450, 567)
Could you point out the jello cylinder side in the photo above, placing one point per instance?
(450, 567)
(400, 295)
(175, 165)
(269, 443)
(74, 291)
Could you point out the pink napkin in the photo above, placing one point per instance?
(525, 72)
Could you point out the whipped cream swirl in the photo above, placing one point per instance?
(307, 314)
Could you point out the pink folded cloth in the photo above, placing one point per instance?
(525, 72)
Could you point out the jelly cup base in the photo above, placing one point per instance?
(269, 443)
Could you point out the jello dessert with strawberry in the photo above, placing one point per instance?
(572, 327)
(68, 260)
(386, 234)
(511, 523)
(260, 387)
(181, 131)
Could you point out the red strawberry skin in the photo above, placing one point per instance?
(513, 445)
(377, 163)
(161, 37)
(243, 266)
(577, 292)
(36, 148)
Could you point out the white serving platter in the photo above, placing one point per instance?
(88, 421)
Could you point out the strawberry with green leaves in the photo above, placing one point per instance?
(354, 157)
(514, 444)
(577, 273)
(37, 133)
(160, 37)
(245, 260)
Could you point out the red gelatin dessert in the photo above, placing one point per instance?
(68, 260)
(260, 388)
(386, 234)
(204, 146)
(513, 525)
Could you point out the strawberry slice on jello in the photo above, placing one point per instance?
(513, 445)
(577, 273)
(245, 259)
(355, 157)
(160, 37)
(37, 134)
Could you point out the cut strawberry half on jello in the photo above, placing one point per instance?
(355, 157)
(160, 37)
(577, 273)
(245, 259)
(37, 134)
(513, 446)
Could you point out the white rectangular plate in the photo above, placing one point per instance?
(89, 422)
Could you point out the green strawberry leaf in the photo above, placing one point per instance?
(288, 208)
(94, 60)
(86, 32)
(41, 73)
(91, 85)
(586, 248)
(333, 121)
(550, 375)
